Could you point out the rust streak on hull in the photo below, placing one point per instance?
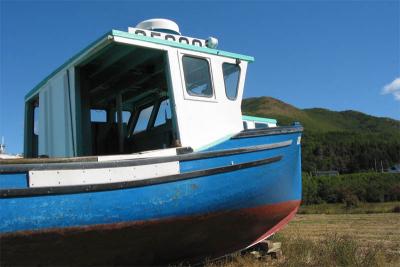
(172, 240)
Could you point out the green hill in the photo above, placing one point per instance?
(347, 141)
(319, 119)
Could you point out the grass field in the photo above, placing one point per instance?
(333, 240)
(370, 230)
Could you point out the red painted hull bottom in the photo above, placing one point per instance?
(159, 242)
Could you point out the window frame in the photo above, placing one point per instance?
(238, 82)
(158, 110)
(187, 94)
(137, 116)
(129, 117)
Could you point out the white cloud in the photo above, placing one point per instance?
(392, 88)
(397, 95)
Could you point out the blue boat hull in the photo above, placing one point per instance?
(158, 242)
(243, 199)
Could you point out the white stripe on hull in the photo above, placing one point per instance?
(102, 175)
(145, 154)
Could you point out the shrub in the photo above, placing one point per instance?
(351, 201)
(396, 209)
(351, 188)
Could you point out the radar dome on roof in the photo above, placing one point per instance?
(161, 25)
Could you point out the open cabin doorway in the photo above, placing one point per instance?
(31, 131)
(123, 102)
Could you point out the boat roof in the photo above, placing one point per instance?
(116, 33)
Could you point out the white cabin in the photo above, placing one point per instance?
(145, 89)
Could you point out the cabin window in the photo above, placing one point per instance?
(126, 115)
(98, 115)
(245, 126)
(231, 79)
(197, 76)
(36, 112)
(260, 125)
(35, 136)
(31, 131)
(143, 119)
(164, 113)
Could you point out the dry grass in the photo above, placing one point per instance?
(333, 240)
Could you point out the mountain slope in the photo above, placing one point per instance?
(319, 119)
(347, 141)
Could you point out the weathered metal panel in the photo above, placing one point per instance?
(55, 128)
(102, 175)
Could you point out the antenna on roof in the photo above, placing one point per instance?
(159, 25)
(2, 146)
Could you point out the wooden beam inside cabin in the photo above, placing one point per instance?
(116, 55)
(133, 80)
(119, 121)
(120, 68)
(97, 55)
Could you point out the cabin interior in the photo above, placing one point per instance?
(124, 101)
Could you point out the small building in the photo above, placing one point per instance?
(394, 169)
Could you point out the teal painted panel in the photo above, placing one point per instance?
(258, 119)
(181, 45)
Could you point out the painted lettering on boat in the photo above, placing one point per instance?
(169, 37)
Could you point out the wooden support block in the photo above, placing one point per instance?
(274, 247)
(266, 249)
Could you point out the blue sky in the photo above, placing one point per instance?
(338, 55)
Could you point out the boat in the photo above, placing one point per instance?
(3, 151)
(136, 152)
